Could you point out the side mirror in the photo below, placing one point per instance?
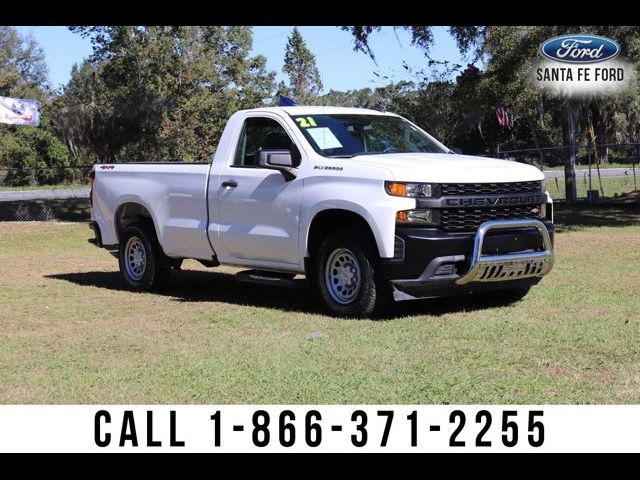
(274, 158)
(457, 151)
(279, 159)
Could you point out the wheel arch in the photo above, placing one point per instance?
(331, 220)
(130, 212)
(373, 294)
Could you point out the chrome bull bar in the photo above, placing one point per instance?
(513, 266)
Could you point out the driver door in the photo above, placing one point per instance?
(259, 209)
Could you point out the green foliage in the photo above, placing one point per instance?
(33, 155)
(158, 93)
(165, 92)
(541, 120)
(421, 36)
(90, 124)
(23, 74)
(461, 112)
(358, 98)
(300, 65)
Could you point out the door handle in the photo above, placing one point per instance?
(230, 184)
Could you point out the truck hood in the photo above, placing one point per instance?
(450, 168)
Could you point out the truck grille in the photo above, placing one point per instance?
(450, 189)
(469, 219)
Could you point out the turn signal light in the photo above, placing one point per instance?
(397, 189)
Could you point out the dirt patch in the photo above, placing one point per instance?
(574, 373)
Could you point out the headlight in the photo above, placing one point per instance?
(420, 216)
(406, 189)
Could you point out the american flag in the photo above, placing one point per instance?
(504, 118)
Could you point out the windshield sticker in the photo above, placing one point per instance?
(306, 122)
(324, 138)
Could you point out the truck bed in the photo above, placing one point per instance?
(175, 191)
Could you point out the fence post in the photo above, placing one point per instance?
(589, 192)
(633, 168)
(570, 162)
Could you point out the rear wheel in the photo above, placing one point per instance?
(141, 260)
(348, 276)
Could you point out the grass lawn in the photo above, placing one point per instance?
(610, 185)
(582, 166)
(69, 333)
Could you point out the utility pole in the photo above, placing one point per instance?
(570, 160)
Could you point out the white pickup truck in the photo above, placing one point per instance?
(366, 205)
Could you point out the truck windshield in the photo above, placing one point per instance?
(348, 135)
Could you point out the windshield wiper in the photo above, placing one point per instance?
(344, 156)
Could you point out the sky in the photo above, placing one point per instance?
(341, 68)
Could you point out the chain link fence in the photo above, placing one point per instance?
(609, 170)
(41, 194)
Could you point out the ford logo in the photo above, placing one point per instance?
(580, 49)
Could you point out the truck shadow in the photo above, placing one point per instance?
(198, 286)
(581, 216)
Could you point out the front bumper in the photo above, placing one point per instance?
(501, 254)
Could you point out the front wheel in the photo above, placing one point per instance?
(348, 276)
(140, 259)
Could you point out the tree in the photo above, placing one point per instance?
(421, 36)
(508, 54)
(300, 65)
(33, 154)
(23, 71)
(161, 92)
(86, 119)
(358, 98)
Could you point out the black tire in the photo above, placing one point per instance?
(371, 296)
(151, 273)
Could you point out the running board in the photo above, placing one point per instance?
(269, 278)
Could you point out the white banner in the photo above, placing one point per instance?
(326, 428)
(19, 111)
